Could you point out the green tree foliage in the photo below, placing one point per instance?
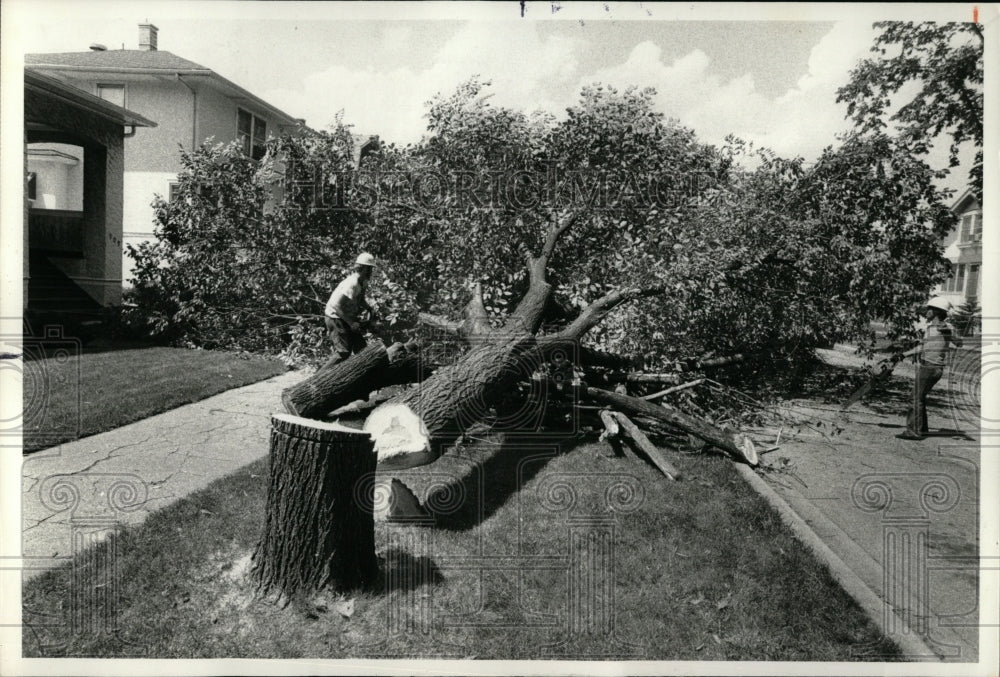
(944, 62)
(777, 258)
(243, 258)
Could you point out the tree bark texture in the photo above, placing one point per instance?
(352, 379)
(639, 440)
(318, 526)
(454, 398)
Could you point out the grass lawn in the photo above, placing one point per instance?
(68, 395)
(540, 551)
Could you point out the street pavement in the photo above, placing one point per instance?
(902, 515)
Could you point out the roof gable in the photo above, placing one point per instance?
(967, 202)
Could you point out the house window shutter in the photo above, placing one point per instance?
(977, 227)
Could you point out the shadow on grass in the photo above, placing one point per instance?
(401, 571)
(490, 483)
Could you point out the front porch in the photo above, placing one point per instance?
(73, 200)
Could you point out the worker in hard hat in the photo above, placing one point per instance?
(932, 355)
(343, 313)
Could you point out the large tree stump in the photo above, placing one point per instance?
(318, 526)
(343, 382)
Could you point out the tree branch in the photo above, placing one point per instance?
(477, 320)
(440, 323)
(595, 313)
(528, 314)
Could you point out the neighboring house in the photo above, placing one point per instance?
(964, 248)
(191, 103)
(73, 162)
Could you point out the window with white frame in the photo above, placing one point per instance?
(251, 131)
(972, 228)
(956, 279)
(115, 93)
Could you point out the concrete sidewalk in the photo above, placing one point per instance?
(74, 493)
(902, 515)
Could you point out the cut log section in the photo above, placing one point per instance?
(352, 379)
(631, 431)
(739, 446)
(318, 525)
(415, 427)
(611, 433)
(611, 429)
(401, 438)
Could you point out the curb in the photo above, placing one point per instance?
(912, 647)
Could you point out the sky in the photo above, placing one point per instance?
(771, 82)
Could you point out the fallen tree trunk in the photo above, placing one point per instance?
(650, 450)
(739, 446)
(352, 379)
(318, 525)
(416, 426)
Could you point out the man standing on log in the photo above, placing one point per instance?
(932, 355)
(343, 310)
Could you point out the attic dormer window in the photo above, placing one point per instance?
(251, 132)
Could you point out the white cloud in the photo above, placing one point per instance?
(529, 72)
(523, 68)
(802, 121)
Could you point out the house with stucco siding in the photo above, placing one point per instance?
(963, 247)
(190, 102)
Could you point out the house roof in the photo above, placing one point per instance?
(966, 201)
(117, 60)
(81, 99)
(147, 62)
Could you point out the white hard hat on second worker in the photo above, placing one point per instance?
(940, 302)
(365, 259)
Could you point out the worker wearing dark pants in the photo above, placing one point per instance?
(344, 340)
(916, 417)
(933, 355)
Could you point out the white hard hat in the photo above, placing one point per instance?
(941, 303)
(365, 259)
